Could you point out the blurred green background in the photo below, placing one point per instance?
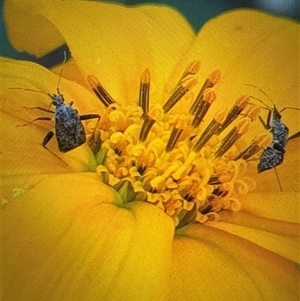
(196, 11)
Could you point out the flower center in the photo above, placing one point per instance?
(186, 167)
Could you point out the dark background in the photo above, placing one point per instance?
(196, 11)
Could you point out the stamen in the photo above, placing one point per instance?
(99, 90)
(252, 112)
(184, 87)
(146, 127)
(192, 69)
(210, 130)
(212, 79)
(176, 133)
(241, 128)
(148, 155)
(257, 144)
(94, 140)
(214, 180)
(144, 91)
(203, 106)
(235, 111)
(205, 209)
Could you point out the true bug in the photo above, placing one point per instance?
(273, 155)
(69, 129)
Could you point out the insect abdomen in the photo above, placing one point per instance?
(69, 129)
(270, 158)
(280, 135)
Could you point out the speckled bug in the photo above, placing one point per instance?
(69, 129)
(273, 154)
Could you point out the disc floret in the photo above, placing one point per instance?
(177, 162)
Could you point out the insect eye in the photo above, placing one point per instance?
(277, 115)
(57, 100)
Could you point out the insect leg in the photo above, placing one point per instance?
(39, 108)
(277, 177)
(94, 140)
(267, 124)
(36, 119)
(89, 116)
(296, 135)
(47, 138)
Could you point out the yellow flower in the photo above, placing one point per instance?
(69, 236)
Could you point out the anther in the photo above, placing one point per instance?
(192, 69)
(189, 197)
(241, 127)
(175, 134)
(141, 169)
(118, 151)
(94, 140)
(184, 87)
(214, 180)
(257, 144)
(203, 106)
(146, 127)
(205, 209)
(252, 112)
(235, 111)
(210, 130)
(99, 90)
(212, 79)
(144, 91)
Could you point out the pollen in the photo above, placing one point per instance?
(185, 164)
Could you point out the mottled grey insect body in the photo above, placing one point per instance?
(69, 130)
(273, 155)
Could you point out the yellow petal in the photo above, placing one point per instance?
(288, 173)
(72, 72)
(77, 245)
(225, 267)
(252, 47)
(267, 200)
(29, 31)
(117, 44)
(279, 237)
(22, 151)
(279, 206)
(221, 261)
(274, 219)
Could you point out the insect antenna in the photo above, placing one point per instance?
(263, 92)
(45, 93)
(262, 102)
(61, 72)
(290, 108)
(31, 90)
